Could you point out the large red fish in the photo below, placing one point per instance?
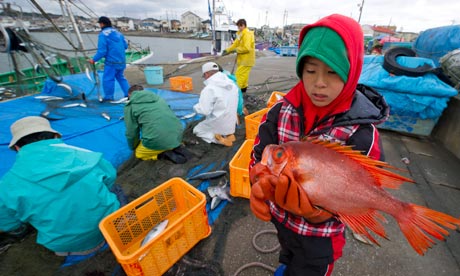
(350, 186)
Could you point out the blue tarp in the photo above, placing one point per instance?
(82, 126)
(85, 126)
(436, 42)
(422, 97)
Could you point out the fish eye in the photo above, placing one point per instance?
(278, 155)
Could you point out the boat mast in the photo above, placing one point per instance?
(213, 25)
(64, 3)
(360, 10)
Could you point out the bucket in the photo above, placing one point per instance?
(154, 75)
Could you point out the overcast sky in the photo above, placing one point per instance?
(410, 16)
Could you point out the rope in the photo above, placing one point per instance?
(258, 248)
(52, 22)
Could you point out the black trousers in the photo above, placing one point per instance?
(307, 255)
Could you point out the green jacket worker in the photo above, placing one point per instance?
(151, 126)
(61, 190)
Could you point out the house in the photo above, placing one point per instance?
(381, 30)
(190, 22)
(175, 25)
(150, 24)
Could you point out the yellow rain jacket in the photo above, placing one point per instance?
(244, 46)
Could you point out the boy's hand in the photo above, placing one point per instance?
(262, 190)
(290, 196)
(285, 192)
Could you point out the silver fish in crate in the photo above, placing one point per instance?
(157, 230)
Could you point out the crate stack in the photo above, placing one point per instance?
(239, 165)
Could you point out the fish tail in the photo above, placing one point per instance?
(360, 224)
(418, 221)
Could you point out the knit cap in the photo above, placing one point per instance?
(326, 45)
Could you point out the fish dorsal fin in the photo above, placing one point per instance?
(384, 177)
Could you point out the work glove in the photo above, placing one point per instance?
(224, 53)
(290, 196)
(262, 190)
(285, 192)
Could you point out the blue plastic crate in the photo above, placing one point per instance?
(288, 50)
(154, 75)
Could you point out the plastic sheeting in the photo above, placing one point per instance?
(81, 126)
(437, 42)
(423, 97)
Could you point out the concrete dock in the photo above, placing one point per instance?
(237, 233)
(435, 170)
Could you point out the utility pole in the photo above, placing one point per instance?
(284, 21)
(266, 18)
(360, 10)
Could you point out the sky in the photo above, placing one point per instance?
(407, 16)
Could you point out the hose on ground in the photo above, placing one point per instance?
(260, 249)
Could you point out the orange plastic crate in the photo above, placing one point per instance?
(181, 83)
(175, 200)
(252, 122)
(275, 96)
(239, 170)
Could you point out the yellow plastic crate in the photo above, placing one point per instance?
(275, 96)
(175, 200)
(252, 122)
(181, 83)
(239, 170)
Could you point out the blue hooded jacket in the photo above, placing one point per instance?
(111, 45)
(62, 191)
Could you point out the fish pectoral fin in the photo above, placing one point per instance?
(361, 223)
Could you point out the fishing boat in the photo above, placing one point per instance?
(223, 32)
(43, 60)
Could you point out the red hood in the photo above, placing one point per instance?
(352, 35)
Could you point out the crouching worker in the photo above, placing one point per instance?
(152, 128)
(61, 190)
(218, 103)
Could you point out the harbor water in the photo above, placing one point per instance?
(165, 50)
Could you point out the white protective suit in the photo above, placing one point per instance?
(218, 103)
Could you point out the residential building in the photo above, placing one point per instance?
(190, 22)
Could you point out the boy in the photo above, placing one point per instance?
(326, 104)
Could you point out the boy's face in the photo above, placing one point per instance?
(322, 84)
